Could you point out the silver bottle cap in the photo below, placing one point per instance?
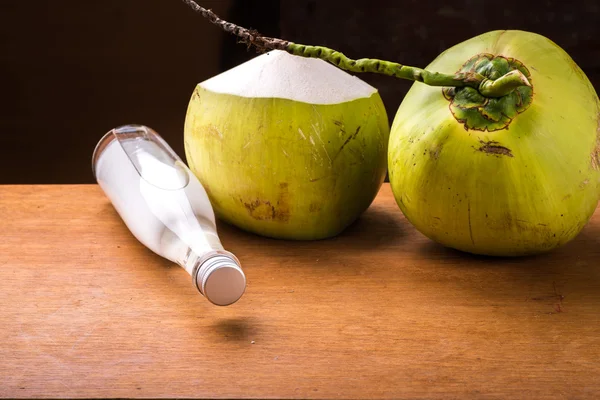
(221, 280)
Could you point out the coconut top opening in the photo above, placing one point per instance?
(278, 74)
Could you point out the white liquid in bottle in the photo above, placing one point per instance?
(166, 208)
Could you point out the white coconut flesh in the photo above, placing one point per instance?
(278, 74)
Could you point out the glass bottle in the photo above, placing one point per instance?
(166, 208)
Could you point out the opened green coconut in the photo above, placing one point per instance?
(287, 147)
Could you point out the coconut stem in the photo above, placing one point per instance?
(488, 88)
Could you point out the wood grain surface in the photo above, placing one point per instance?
(378, 312)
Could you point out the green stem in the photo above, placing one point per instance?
(489, 88)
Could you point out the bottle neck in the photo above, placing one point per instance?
(196, 244)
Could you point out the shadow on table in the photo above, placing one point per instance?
(572, 270)
(376, 228)
(374, 232)
(236, 329)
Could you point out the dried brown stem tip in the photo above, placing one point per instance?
(248, 36)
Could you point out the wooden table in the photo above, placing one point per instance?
(378, 312)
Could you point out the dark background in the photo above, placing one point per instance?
(71, 70)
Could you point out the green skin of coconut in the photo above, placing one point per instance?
(287, 169)
(510, 182)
